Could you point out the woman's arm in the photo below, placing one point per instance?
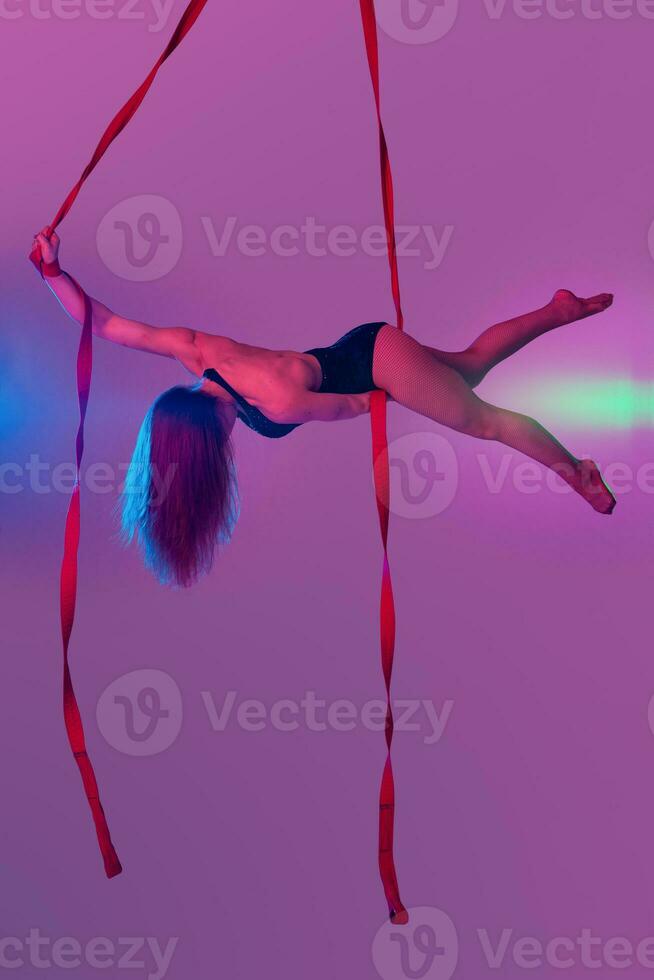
(314, 406)
(168, 341)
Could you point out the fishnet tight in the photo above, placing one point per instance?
(439, 385)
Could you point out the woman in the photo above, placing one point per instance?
(184, 443)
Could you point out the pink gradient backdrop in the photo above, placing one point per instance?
(532, 138)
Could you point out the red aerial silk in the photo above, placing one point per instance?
(68, 588)
(398, 913)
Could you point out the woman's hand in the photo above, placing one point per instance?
(49, 246)
(364, 400)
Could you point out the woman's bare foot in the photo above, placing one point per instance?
(593, 488)
(567, 307)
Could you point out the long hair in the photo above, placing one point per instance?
(180, 499)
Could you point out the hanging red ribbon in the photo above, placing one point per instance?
(397, 911)
(68, 594)
(68, 585)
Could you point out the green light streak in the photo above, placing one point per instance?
(609, 403)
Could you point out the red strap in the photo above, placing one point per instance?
(68, 593)
(50, 270)
(398, 913)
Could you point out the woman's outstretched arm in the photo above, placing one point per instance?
(313, 406)
(168, 341)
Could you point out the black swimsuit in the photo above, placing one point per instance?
(346, 370)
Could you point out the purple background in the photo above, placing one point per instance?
(532, 138)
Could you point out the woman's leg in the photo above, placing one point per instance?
(416, 378)
(503, 339)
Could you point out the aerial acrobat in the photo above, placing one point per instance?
(187, 432)
(274, 391)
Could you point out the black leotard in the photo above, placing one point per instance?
(346, 370)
